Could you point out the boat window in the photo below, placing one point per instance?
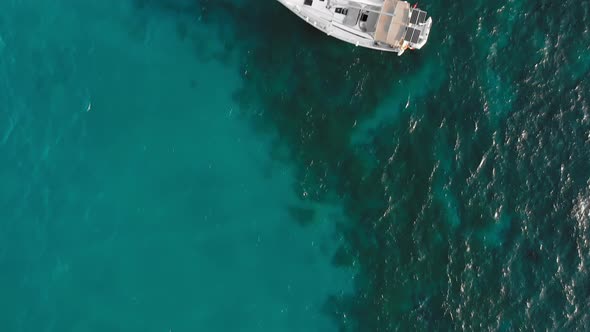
(308, 2)
(342, 11)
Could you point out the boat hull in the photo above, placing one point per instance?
(327, 27)
(326, 24)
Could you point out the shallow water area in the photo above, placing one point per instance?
(134, 197)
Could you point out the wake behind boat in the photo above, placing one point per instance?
(386, 25)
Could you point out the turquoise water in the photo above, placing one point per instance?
(185, 165)
(134, 198)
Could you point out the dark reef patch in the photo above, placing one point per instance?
(304, 216)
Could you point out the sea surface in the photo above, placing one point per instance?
(219, 165)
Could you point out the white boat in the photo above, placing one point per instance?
(386, 25)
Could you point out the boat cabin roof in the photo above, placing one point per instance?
(393, 21)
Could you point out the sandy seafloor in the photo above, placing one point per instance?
(186, 165)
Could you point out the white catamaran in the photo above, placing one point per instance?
(386, 25)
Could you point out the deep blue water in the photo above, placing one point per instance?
(186, 165)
